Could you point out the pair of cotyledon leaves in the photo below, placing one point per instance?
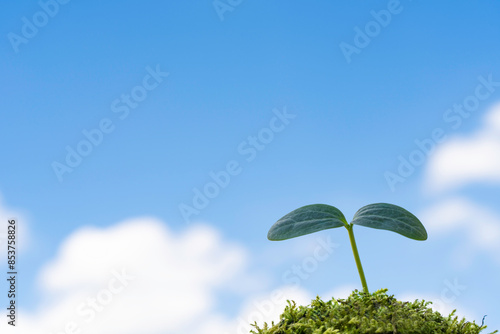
(317, 217)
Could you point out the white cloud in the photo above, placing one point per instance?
(137, 276)
(463, 160)
(481, 226)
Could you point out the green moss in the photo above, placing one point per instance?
(363, 313)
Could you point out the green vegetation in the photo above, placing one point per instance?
(363, 313)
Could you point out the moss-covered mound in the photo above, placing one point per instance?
(364, 313)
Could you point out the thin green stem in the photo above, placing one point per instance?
(356, 257)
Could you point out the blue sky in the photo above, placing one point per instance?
(290, 104)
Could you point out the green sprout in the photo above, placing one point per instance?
(317, 217)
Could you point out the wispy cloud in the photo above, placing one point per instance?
(466, 159)
(480, 225)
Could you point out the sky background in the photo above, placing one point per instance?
(285, 104)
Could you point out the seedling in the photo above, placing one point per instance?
(317, 217)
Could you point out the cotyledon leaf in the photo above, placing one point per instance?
(390, 217)
(305, 220)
